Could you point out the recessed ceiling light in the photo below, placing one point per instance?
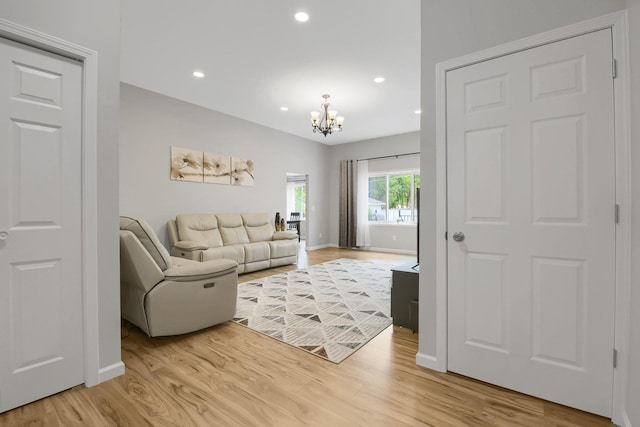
(418, 111)
(284, 109)
(378, 79)
(198, 74)
(301, 17)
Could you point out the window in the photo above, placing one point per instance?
(391, 197)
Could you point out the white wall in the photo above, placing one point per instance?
(93, 24)
(396, 238)
(457, 27)
(151, 123)
(633, 393)
(381, 235)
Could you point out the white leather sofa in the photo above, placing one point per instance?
(248, 239)
(165, 295)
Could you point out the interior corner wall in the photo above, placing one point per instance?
(382, 237)
(151, 123)
(450, 29)
(93, 24)
(633, 386)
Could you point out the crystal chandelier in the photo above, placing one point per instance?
(328, 123)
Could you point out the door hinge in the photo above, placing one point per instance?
(614, 68)
(617, 214)
(615, 358)
(446, 236)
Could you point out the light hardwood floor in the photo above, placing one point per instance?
(228, 375)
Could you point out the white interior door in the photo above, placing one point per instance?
(41, 320)
(531, 185)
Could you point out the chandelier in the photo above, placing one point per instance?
(328, 123)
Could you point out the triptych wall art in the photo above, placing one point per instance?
(198, 166)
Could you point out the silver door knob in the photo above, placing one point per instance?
(4, 235)
(458, 236)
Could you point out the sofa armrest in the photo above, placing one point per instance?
(191, 245)
(172, 232)
(285, 235)
(184, 270)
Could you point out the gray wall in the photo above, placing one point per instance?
(93, 24)
(457, 27)
(151, 123)
(633, 396)
(381, 236)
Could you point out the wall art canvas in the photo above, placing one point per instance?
(186, 164)
(242, 172)
(217, 168)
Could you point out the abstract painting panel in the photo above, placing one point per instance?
(242, 172)
(217, 168)
(186, 164)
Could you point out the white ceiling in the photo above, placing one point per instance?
(257, 58)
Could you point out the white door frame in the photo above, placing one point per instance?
(89, 59)
(617, 22)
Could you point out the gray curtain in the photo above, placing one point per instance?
(348, 212)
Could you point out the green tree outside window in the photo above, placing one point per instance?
(392, 197)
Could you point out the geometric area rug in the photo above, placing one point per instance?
(329, 310)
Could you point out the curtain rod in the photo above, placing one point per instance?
(387, 157)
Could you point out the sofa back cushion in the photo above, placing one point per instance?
(258, 227)
(143, 231)
(232, 229)
(199, 228)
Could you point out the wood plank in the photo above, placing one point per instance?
(230, 375)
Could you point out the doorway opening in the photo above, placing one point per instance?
(297, 199)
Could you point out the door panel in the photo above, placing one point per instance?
(558, 165)
(531, 184)
(484, 153)
(487, 310)
(41, 321)
(559, 312)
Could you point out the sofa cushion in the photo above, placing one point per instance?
(258, 251)
(283, 248)
(234, 253)
(262, 233)
(199, 228)
(232, 229)
(258, 227)
(229, 220)
(255, 219)
(149, 240)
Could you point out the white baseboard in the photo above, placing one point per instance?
(315, 248)
(391, 251)
(429, 362)
(622, 420)
(368, 248)
(111, 371)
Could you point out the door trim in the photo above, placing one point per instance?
(89, 59)
(617, 22)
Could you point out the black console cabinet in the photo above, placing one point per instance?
(404, 295)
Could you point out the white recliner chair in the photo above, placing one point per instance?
(165, 295)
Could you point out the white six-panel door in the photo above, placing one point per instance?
(41, 320)
(530, 153)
